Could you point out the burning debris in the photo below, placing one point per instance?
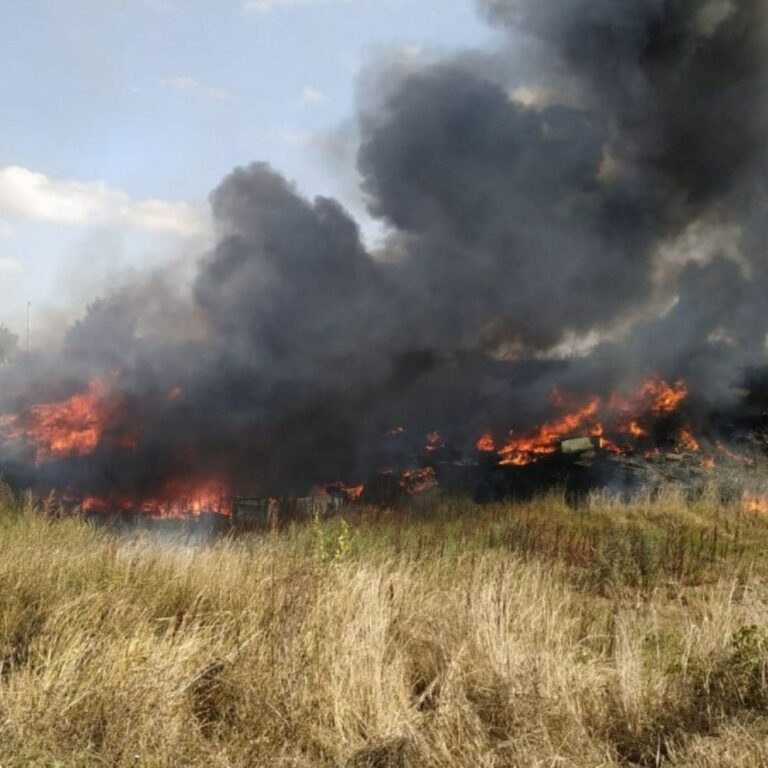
(72, 427)
(756, 503)
(619, 423)
(544, 254)
(486, 443)
(178, 500)
(636, 439)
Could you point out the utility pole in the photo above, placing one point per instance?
(29, 304)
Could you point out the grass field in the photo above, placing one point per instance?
(524, 634)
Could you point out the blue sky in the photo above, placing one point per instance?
(119, 117)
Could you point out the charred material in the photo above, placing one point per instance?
(271, 513)
(576, 229)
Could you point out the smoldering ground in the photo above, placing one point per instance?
(514, 224)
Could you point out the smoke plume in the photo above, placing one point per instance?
(525, 208)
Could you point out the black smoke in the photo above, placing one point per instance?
(514, 225)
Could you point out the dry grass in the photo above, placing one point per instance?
(519, 635)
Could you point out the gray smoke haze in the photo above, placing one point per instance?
(515, 224)
(677, 85)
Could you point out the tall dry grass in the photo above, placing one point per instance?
(456, 638)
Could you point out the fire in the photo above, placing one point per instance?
(728, 453)
(708, 462)
(486, 443)
(666, 398)
(755, 503)
(351, 492)
(598, 431)
(623, 413)
(687, 441)
(526, 449)
(611, 447)
(178, 500)
(654, 395)
(98, 417)
(434, 441)
(71, 427)
(418, 480)
(354, 492)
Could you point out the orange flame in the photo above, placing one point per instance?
(687, 441)
(654, 396)
(434, 441)
(352, 492)
(418, 480)
(486, 443)
(755, 503)
(524, 450)
(598, 431)
(71, 427)
(179, 500)
(664, 398)
(728, 453)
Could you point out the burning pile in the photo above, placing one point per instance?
(620, 423)
(98, 420)
(648, 421)
(72, 427)
(178, 500)
(582, 221)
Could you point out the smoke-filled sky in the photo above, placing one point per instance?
(120, 116)
(503, 181)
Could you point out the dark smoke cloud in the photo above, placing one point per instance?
(512, 227)
(678, 84)
(679, 80)
(291, 286)
(509, 229)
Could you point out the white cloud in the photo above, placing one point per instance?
(8, 264)
(298, 138)
(310, 95)
(34, 195)
(262, 6)
(5, 229)
(175, 218)
(192, 85)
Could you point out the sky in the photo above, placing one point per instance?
(120, 116)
